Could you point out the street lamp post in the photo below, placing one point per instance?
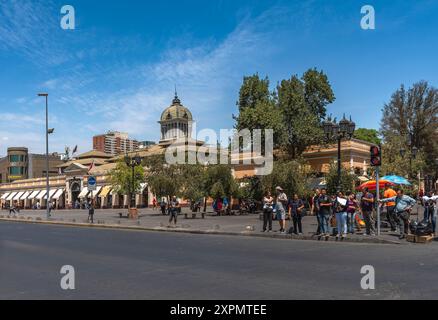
(48, 131)
(344, 130)
(132, 162)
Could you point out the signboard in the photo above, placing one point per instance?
(92, 183)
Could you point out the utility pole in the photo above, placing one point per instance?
(46, 95)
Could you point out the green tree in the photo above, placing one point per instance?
(294, 110)
(301, 122)
(193, 182)
(318, 92)
(413, 115)
(121, 178)
(290, 175)
(369, 135)
(394, 163)
(219, 181)
(347, 179)
(163, 179)
(253, 91)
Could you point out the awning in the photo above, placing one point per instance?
(105, 191)
(58, 194)
(52, 192)
(83, 193)
(33, 194)
(142, 187)
(41, 195)
(5, 196)
(18, 196)
(11, 196)
(94, 193)
(25, 195)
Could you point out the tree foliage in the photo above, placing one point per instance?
(412, 113)
(290, 175)
(369, 135)
(347, 179)
(294, 110)
(121, 178)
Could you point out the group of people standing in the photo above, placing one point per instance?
(342, 214)
(283, 207)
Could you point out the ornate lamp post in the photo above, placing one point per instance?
(344, 130)
(132, 162)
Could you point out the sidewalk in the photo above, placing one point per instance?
(152, 220)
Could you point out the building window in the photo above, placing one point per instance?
(16, 171)
(16, 158)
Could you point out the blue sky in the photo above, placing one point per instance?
(117, 70)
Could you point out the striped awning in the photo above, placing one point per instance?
(5, 196)
(33, 194)
(41, 195)
(11, 196)
(25, 195)
(52, 192)
(83, 193)
(94, 193)
(18, 196)
(58, 194)
(105, 191)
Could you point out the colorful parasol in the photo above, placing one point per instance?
(371, 185)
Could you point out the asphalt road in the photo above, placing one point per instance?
(113, 264)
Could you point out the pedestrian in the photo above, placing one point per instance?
(268, 207)
(324, 212)
(50, 208)
(154, 203)
(174, 209)
(352, 208)
(296, 206)
(403, 207)
(430, 207)
(91, 212)
(315, 210)
(341, 215)
(280, 207)
(390, 215)
(428, 204)
(367, 206)
(163, 205)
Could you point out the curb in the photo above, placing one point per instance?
(374, 240)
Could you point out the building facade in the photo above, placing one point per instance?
(19, 164)
(114, 143)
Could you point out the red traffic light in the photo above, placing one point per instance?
(376, 156)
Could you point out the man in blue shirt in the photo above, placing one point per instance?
(403, 206)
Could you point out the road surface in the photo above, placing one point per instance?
(115, 264)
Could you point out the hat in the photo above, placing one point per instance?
(279, 188)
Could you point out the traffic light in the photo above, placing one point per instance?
(376, 156)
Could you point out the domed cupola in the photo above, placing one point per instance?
(175, 121)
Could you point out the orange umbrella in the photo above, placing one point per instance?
(371, 185)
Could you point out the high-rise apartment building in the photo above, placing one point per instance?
(114, 143)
